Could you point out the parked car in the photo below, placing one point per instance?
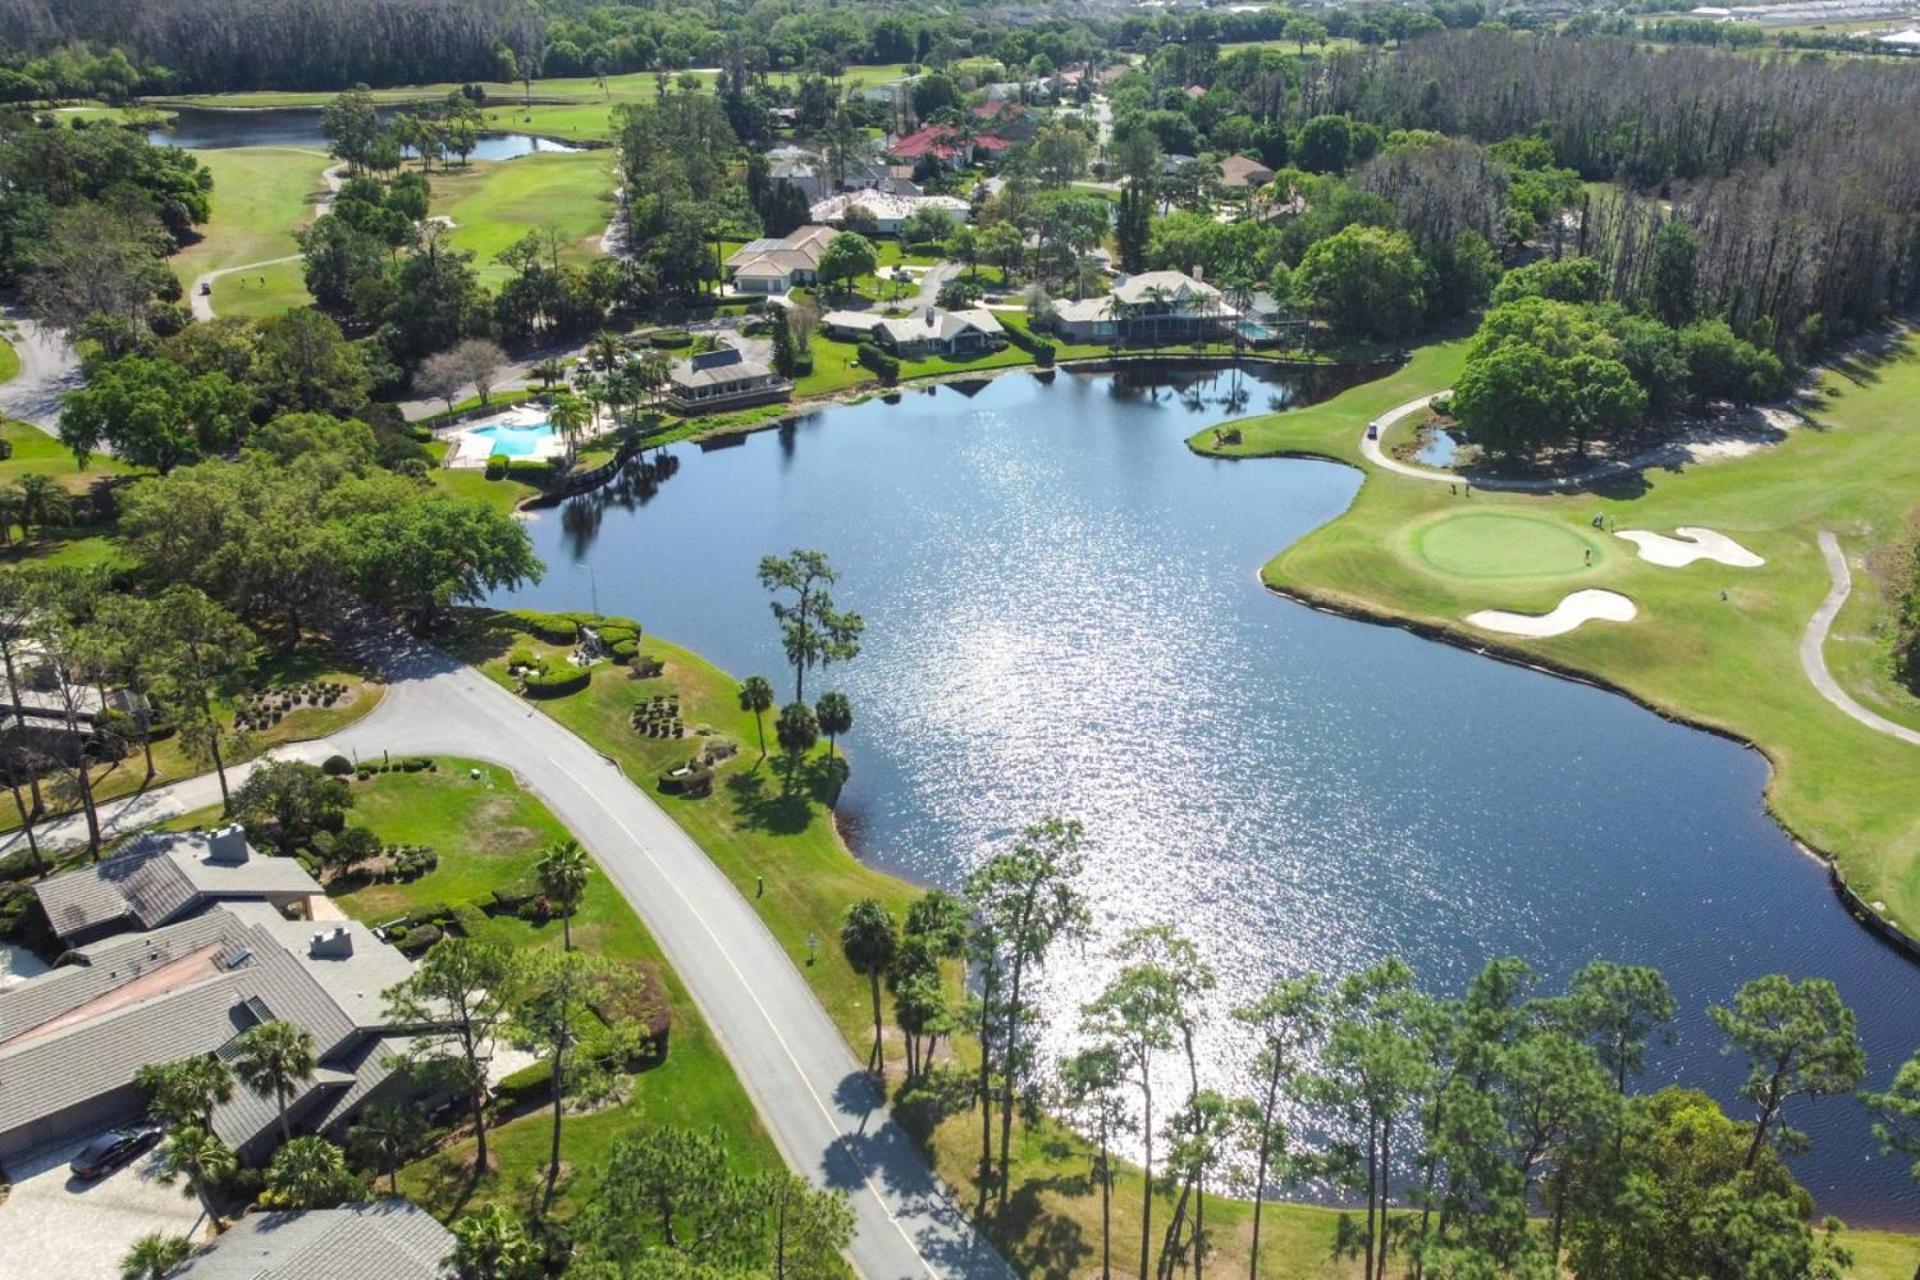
(112, 1149)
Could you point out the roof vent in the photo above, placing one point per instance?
(234, 958)
(227, 847)
(331, 944)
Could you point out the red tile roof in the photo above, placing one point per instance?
(942, 142)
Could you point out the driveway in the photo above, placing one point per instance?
(56, 1228)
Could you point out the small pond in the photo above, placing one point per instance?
(1064, 615)
(216, 129)
(1438, 448)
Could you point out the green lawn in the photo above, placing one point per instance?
(1713, 644)
(37, 453)
(495, 203)
(260, 196)
(488, 833)
(9, 359)
(260, 294)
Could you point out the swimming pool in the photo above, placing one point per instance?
(515, 441)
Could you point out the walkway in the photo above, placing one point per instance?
(828, 1119)
(199, 293)
(1813, 646)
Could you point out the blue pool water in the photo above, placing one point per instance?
(515, 442)
(1064, 615)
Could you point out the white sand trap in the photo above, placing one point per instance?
(1581, 606)
(1693, 544)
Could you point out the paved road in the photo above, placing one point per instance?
(826, 1116)
(1813, 646)
(48, 368)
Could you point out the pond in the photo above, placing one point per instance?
(1063, 615)
(216, 129)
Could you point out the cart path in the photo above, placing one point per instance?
(335, 176)
(1813, 646)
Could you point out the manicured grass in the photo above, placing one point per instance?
(1713, 644)
(260, 294)
(1481, 544)
(260, 196)
(495, 203)
(750, 826)
(37, 453)
(488, 834)
(9, 360)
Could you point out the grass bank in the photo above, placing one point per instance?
(1714, 645)
(488, 833)
(9, 360)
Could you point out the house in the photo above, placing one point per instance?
(72, 1039)
(167, 876)
(1241, 173)
(770, 266)
(882, 211)
(851, 326)
(724, 379)
(1010, 120)
(1195, 92)
(946, 146)
(805, 175)
(1154, 306)
(937, 331)
(387, 1239)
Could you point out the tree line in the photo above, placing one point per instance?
(1497, 1132)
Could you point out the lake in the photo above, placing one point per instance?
(216, 129)
(1063, 615)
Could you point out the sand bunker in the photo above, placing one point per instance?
(1581, 606)
(1692, 544)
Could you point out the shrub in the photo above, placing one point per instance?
(531, 470)
(336, 766)
(554, 628)
(523, 658)
(470, 920)
(623, 650)
(1039, 348)
(558, 684)
(419, 938)
(410, 862)
(613, 633)
(646, 666)
(670, 338)
(530, 1084)
(872, 357)
(497, 464)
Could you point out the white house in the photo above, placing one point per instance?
(884, 211)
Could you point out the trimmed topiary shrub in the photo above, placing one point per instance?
(872, 357)
(336, 766)
(554, 628)
(670, 338)
(558, 684)
(497, 464)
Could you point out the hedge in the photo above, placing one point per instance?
(880, 362)
(533, 1083)
(557, 684)
(497, 464)
(1039, 348)
(554, 628)
(623, 650)
(532, 470)
(470, 919)
(670, 338)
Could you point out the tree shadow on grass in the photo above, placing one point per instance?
(478, 636)
(451, 1181)
(1037, 1242)
(765, 805)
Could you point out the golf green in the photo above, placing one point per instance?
(1499, 545)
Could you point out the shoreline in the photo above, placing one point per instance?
(1889, 934)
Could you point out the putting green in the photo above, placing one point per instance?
(1501, 545)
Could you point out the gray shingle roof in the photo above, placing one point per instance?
(157, 879)
(129, 1009)
(383, 1240)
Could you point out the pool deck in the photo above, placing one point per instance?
(468, 450)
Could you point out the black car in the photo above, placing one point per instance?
(112, 1149)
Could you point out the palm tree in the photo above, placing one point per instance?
(756, 695)
(562, 872)
(606, 349)
(568, 415)
(273, 1057)
(549, 371)
(834, 711)
(42, 502)
(187, 1091)
(202, 1161)
(152, 1256)
(493, 1245)
(384, 1137)
(870, 941)
(310, 1173)
(9, 515)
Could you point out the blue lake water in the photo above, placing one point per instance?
(215, 129)
(1063, 615)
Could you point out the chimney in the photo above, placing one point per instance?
(331, 944)
(1199, 273)
(227, 846)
